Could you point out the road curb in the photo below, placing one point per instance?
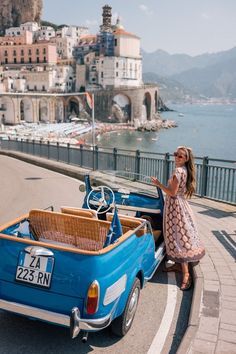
(56, 166)
(194, 317)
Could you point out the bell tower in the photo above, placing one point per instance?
(106, 19)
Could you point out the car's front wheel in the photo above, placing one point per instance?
(121, 325)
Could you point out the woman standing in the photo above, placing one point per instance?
(181, 237)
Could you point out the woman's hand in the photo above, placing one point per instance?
(172, 187)
(155, 181)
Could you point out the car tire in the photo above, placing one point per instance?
(121, 325)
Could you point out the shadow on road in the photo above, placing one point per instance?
(20, 335)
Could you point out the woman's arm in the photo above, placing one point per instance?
(172, 187)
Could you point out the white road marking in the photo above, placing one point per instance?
(160, 337)
(229, 241)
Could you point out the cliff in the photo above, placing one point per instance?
(15, 12)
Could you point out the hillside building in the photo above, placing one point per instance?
(22, 54)
(40, 61)
(116, 60)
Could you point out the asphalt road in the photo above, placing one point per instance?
(24, 186)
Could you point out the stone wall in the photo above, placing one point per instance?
(103, 101)
(34, 103)
(15, 12)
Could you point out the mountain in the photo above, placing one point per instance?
(211, 75)
(170, 90)
(15, 12)
(164, 64)
(217, 80)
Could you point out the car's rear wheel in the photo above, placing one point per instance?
(121, 325)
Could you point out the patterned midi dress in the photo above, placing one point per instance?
(180, 232)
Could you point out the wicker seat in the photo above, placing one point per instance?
(85, 233)
(87, 213)
(129, 223)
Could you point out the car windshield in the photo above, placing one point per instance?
(124, 181)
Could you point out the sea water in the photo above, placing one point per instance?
(210, 130)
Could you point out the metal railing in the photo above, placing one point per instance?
(216, 179)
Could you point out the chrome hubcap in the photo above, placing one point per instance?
(132, 307)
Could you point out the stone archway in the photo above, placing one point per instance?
(146, 108)
(59, 110)
(75, 108)
(43, 110)
(156, 101)
(26, 110)
(8, 112)
(121, 108)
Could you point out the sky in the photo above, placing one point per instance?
(192, 27)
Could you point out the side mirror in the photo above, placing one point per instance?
(82, 188)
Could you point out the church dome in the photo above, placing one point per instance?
(118, 25)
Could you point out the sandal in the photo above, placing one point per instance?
(186, 284)
(173, 268)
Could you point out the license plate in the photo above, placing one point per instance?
(35, 270)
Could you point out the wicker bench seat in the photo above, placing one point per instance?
(87, 213)
(77, 231)
(129, 223)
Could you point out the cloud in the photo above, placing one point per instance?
(115, 15)
(91, 23)
(205, 16)
(145, 9)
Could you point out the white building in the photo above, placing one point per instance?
(72, 31)
(122, 69)
(65, 46)
(55, 79)
(38, 79)
(30, 26)
(126, 44)
(46, 33)
(8, 78)
(67, 38)
(18, 31)
(64, 79)
(119, 71)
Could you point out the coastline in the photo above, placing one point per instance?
(202, 127)
(208, 129)
(75, 133)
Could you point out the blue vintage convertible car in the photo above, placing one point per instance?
(83, 268)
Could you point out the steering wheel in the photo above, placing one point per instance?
(101, 199)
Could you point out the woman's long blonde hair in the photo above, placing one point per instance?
(191, 171)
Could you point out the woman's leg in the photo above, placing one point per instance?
(185, 270)
(186, 281)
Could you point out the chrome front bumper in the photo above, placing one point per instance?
(74, 321)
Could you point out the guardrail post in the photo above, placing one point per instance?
(137, 162)
(48, 149)
(33, 145)
(27, 146)
(68, 153)
(21, 145)
(115, 159)
(204, 174)
(96, 157)
(81, 155)
(40, 148)
(166, 168)
(57, 151)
